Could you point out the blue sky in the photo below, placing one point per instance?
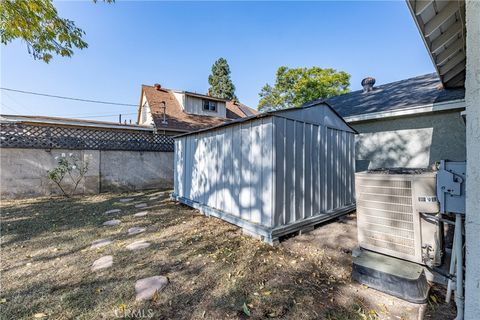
(175, 44)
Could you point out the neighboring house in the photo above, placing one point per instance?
(173, 112)
(409, 123)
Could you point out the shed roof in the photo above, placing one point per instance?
(277, 113)
(418, 91)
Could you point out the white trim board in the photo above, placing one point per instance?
(434, 107)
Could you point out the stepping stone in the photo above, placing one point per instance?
(141, 205)
(102, 263)
(126, 199)
(137, 245)
(135, 230)
(141, 214)
(146, 288)
(100, 243)
(113, 222)
(112, 211)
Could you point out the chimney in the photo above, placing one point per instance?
(157, 86)
(367, 84)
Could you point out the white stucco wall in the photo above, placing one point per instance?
(472, 219)
(145, 113)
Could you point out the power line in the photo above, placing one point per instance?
(68, 98)
(92, 114)
(18, 103)
(106, 116)
(10, 108)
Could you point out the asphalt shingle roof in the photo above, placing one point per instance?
(177, 118)
(408, 93)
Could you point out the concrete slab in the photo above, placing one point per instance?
(102, 263)
(100, 243)
(113, 222)
(141, 205)
(135, 230)
(141, 214)
(137, 245)
(147, 287)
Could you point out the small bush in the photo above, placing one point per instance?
(68, 165)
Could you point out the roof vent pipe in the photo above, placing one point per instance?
(164, 121)
(367, 84)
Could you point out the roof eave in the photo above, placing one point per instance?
(451, 67)
(429, 108)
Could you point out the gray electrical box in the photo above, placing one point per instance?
(451, 186)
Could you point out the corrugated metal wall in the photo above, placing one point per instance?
(314, 170)
(271, 171)
(229, 169)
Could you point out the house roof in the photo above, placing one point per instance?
(9, 118)
(237, 110)
(418, 91)
(199, 95)
(178, 119)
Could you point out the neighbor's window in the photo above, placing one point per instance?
(209, 105)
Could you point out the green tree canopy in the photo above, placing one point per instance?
(38, 24)
(296, 86)
(221, 85)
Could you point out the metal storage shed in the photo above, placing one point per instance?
(271, 174)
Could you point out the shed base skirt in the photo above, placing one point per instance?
(269, 235)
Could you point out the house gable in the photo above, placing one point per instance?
(181, 111)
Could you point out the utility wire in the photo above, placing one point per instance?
(68, 98)
(91, 114)
(10, 108)
(18, 103)
(106, 116)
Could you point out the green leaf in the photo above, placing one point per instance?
(246, 310)
(297, 86)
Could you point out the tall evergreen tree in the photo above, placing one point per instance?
(221, 85)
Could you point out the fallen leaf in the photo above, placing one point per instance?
(246, 310)
(39, 315)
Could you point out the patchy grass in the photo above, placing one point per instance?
(214, 271)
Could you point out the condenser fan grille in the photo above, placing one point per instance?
(385, 215)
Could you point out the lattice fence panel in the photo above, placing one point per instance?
(14, 135)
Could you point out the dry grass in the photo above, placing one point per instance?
(214, 271)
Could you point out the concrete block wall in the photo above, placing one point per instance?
(23, 172)
(133, 170)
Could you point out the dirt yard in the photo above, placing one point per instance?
(214, 271)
